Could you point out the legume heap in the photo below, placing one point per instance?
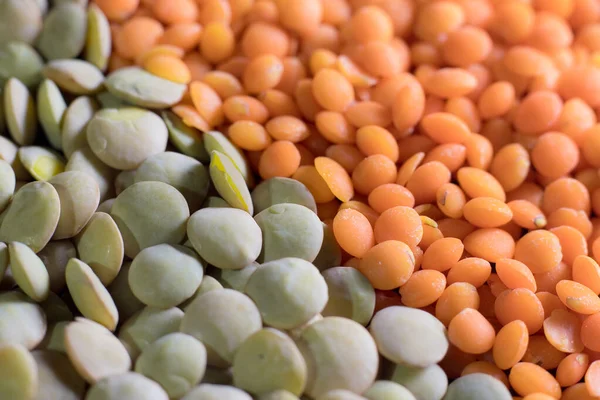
(285, 199)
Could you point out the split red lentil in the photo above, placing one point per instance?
(453, 144)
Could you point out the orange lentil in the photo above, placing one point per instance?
(315, 142)
(455, 298)
(451, 200)
(538, 112)
(498, 131)
(426, 180)
(480, 151)
(309, 176)
(363, 208)
(373, 139)
(487, 212)
(540, 250)
(262, 73)
(491, 244)
(390, 195)
(520, 304)
(348, 156)
(281, 158)
(589, 332)
(336, 178)
(185, 35)
(578, 297)
(307, 104)
(388, 265)
(117, 10)
(471, 332)
(572, 242)
(457, 228)
(240, 107)
(510, 344)
(450, 82)
(332, 90)
(207, 102)
(496, 285)
(399, 223)
(514, 274)
(496, 100)
(353, 232)
(572, 369)
(466, 109)
(373, 171)
(356, 75)
(249, 135)
(547, 281)
(408, 168)
(224, 83)
(137, 36)
(465, 46)
(423, 288)
(263, 38)
(431, 212)
(191, 117)
(554, 155)
(197, 65)
(527, 215)
(526, 61)
(562, 329)
(456, 361)
(550, 302)
(335, 127)
(279, 103)
(567, 193)
(592, 378)
(287, 128)
(480, 183)
(435, 20)
(168, 67)
(443, 254)
(452, 155)
(371, 23)
(587, 272)
(526, 378)
(513, 21)
(175, 11)
(408, 105)
(569, 217)
(473, 270)
(577, 392)
(576, 118)
(364, 113)
(541, 352)
(581, 82)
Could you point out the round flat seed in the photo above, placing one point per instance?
(150, 213)
(123, 180)
(269, 360)
(351, 295)
(64, 31)
(382, 390)
(127, 386)
(429, 383)
(222, 320)
(330, 254)
(186, 139)
(79, 198)
(409, 336)
(100, 245)
(19, 20)
(207, 391)
(124, 138)
(89, 295)
(19, 373)
(229, 182)
(237, 279)
(57, 379)
(124, 299)
(55, 256)
(20, 60)
(182, 172)
(32, 216)
(94, 351)
(7, 184)
(19, 111)
(216, 141)
(109, 100)
(51, 107)
(84, 160)
(9, 153)
(41, 163)
(288, 292)
(74, 125)
(227, 238)
(290, 230)
(150, 324)
(98, 43)
(74, 76)
(143, 89)
(21, 320)
(282, 190)
(474, 386)
(340, 354)
(165, 275)
(55, 337)
(29, 271)
(176, 361)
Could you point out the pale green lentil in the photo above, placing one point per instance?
(351, 295)
(51, 107)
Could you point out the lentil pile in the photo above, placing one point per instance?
(299, 199)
